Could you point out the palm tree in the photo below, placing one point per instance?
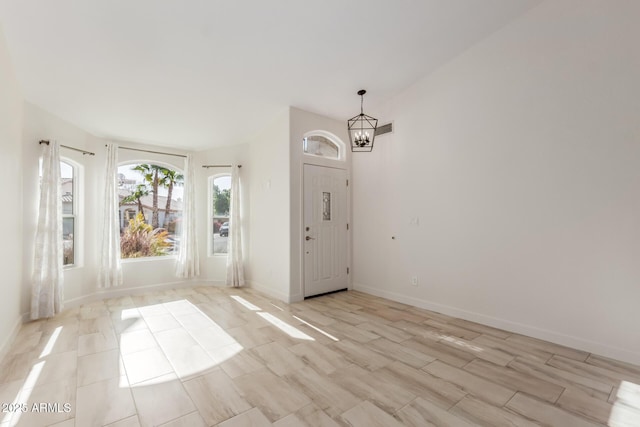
(169, 179)
(136, 196)
(151, 175)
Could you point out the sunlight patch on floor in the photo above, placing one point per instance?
(246, 303)
(460, 343)
(279, 308)
(52, 340)
(131, 317)
(626, 408)
(292, 331)
(326, 334)
(22, 398)
(191, 342)
(288, 329)
(129, 313)
(12, 417)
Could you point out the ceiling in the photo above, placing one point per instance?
(203, 73)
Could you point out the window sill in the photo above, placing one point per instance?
(147, 259)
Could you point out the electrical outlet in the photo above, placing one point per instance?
(414, 280)
(415, 221)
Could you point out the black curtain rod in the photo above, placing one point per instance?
(150, 151)
(218, 166)
(70, 148)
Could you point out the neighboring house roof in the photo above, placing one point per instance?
(147, 201)
(67, 190)
(122, 180)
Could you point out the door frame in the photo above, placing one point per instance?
(348, 230)
(344, 163)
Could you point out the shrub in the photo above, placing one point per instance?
(141, 240)
(67, 246)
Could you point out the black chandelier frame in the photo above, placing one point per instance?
(362, 129)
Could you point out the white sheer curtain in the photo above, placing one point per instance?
(188, 264)
(110, 266)
(46, 291)
(235, 263)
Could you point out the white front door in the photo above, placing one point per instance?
(324, 230)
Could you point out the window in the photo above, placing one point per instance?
(150, 209)
(67, 190)
(317, 145)
(67, 173)
(220, 186)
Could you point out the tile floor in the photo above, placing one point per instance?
(210, 356)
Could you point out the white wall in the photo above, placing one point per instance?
(268, 256)
(10, 216)
(302, 122)
(521, 159)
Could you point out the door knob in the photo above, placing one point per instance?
(309, 238)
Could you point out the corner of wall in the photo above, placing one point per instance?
(269, 291)
(269, 183)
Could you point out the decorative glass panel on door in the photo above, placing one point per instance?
(326, 206)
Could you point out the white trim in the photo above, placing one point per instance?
(508, 325)
(148, 258)
(295, 298)
(148, 161)
(8, 341)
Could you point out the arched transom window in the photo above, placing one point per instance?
(323, 144)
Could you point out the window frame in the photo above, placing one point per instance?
(134, 162)
(74, 209)
(333, 139)
(224, 172)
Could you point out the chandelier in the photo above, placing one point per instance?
(362, 129)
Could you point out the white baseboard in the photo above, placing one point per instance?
(5, 345)
(508, 325)
(295, 298)
(118, 292)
